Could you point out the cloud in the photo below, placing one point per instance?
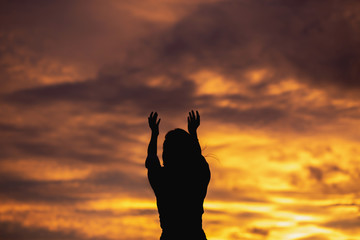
(47, 43)
(26, 190)
(305, 40)
(259, 231)
(16, 231)
(78, 81)
(106, 94)
(96, 185)
(120, 182)
(231, 38)
(351, 225)
(315, 237)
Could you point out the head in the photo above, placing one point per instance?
(179, 148)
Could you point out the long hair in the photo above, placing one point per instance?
(179, 149)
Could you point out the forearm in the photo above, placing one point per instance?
(152, 148)
(152, 160)
(196, 140)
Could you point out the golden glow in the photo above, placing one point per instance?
(256, 76)
(283, 150)
(212, 83)
(284, 86)
(120, 204)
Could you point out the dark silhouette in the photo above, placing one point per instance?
(180, 185)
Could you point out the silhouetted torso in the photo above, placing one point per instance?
(180, 194)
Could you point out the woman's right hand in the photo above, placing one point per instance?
(154, 123)
(193, 122)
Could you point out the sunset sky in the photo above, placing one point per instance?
(276, 82)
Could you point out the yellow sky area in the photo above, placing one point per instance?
(114, 217)
(276, 167)
(274, 156)
(85, 219)
(279, 224)
(212, 83)
(245, 164)
(304, 180)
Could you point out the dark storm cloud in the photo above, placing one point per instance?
(45, 40)
(10, 131)
(306, 40)
(23, 141)
(104, 94)
(68, 29)
(16, 187)
(20, 189)
(313, 41)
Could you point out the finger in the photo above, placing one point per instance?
(193, 114)
(151, 114)
(189, 115)
(155, 115)
(197, 116)
(188, 118)
(158, 122)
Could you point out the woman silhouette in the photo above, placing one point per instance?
(180, 185)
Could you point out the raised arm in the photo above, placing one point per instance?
(152, 159)
(193, 124)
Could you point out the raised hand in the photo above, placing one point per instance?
(154, 123)
(193, 122)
